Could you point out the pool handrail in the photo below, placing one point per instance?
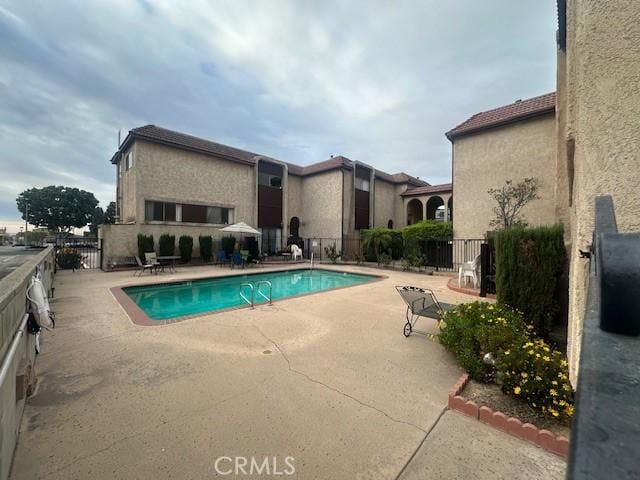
(265, 282)
(250, 302)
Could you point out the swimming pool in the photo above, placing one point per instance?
(168, 301)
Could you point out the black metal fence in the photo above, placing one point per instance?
(78, 253)
(448, 255)
(440, 254)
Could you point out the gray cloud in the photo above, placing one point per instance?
(294, 80)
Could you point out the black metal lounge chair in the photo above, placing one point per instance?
(421, 302)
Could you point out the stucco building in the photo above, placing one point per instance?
(170, 182)
(598, 143)
(580, 142)
(512, 142)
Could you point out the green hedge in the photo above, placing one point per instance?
(206, 247)
(145, 244)
(427, 229)
(397, 244)
(185, 245)
(166, 244)
(529, 264)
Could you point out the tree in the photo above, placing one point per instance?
(511, 199)
(97, 218)
(57, 208)
(110, 213)
(101, 217)
(377, 238)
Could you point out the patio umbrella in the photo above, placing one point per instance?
(241, 227)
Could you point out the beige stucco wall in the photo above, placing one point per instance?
(121, 240)
(385, 199)
(489, 158)
(294, 202)
(400, 207)
(176, 175)
(599, 83)
(322, 200)
(128, 180)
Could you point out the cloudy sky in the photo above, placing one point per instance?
(377, 81)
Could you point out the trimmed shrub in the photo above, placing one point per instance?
(166, 244)
(539, 375)
(529, 263)
(228, 244)
(472, 330)
(145, 244)
(206, 247)
(412, 261)
(185, 245)
(425, 230)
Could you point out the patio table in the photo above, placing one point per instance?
(169, 261)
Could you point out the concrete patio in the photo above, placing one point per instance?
(327, 379)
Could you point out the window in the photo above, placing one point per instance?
(129, 160)
(160, 211)
(269, 180)
(194, 213)
(184, 212)
(218, 215)
(362, 184)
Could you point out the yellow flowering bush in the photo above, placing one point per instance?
(538, 374)
(474, 329)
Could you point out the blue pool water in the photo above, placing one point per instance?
(171, 300)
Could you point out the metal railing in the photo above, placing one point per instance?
(440, 254)
(606, 428)
(256, 289)
(249, 301)
(259, 292)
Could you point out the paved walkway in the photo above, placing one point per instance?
(327, 379)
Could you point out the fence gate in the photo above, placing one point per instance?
(78, 253)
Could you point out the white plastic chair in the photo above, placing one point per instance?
(470, 270)
(296, 252)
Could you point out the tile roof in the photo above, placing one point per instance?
(426, 190)
(518, 110)
(164, 136)
(182, 140)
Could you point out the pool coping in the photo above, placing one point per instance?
(139, 317)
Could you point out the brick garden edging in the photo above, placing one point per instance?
(526, 431)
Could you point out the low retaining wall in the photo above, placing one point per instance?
(121, 240)
(21, 378)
